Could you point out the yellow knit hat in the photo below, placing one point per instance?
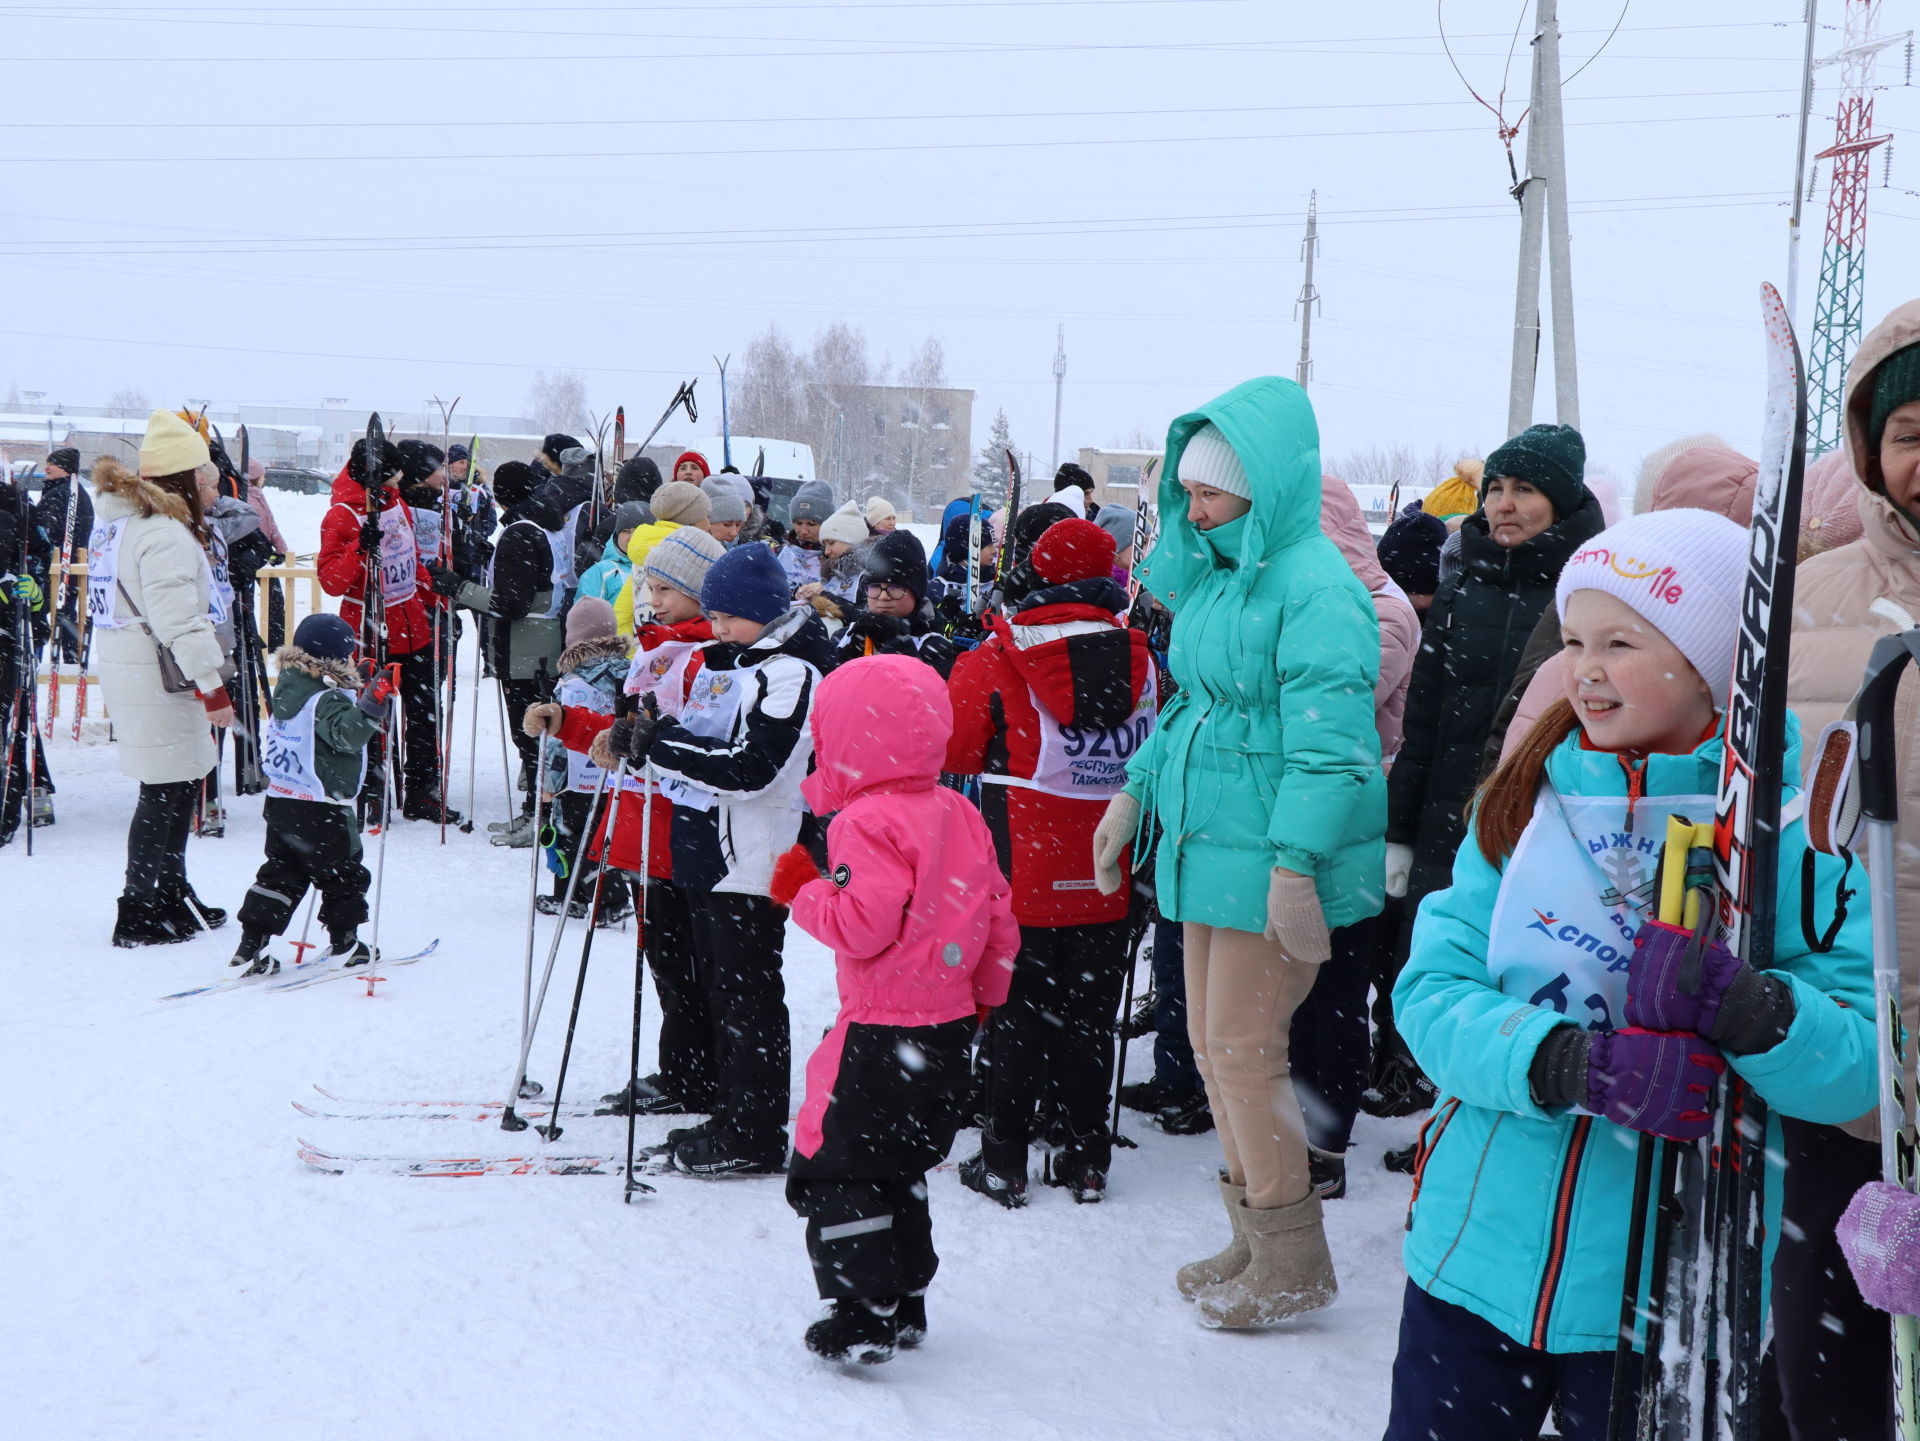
(1453, 496)
(171, 446)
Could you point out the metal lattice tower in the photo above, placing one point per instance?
(1843, 255)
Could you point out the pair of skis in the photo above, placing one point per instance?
(299, 975)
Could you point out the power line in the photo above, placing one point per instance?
(887, 148)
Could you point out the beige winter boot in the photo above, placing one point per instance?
(1289, 1272)
(1229, 1263)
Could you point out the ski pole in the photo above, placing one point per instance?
(506, 767)
(552, 1129)
(302, 946)
(647, 793)
(473, 734)
(510, 1120)
(1120, 1037)
(533, 916)
(386, 824)
(1880, 805)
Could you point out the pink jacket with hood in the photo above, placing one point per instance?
(1346, 527)
(1697, 476)
(919, 917)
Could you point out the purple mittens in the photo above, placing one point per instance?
(1880, 1232)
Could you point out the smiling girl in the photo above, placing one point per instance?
(1546, 1008)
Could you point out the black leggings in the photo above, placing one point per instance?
(157, 839)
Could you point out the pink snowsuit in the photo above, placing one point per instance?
(919, 916)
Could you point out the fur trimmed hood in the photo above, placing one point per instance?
(137, 494)
(589, 651)
(334, 672)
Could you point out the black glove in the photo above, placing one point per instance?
(446, 580)
(631, 736)
(879, 628)
(370, 535)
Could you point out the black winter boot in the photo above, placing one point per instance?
(863, 1331)
(188, 914)
(1188, 1116)
(1328, 1171)
(910, 1321)
(249, 954)
(143, 921)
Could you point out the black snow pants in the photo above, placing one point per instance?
(309, 843)
(1048, 1057)
(519, 695)
(736, 943)
(157, 839)
(897, 1102)
(687, 1068)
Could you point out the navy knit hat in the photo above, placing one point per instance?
(326, 637)
(748, 582)
(1551, 458)
(555, 447)
(514, 481)
(1410, 552)
(67, 457)
(456, 454)
(898, 558)
(419, 459)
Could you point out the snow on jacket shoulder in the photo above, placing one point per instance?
(1268, 756)
(742, 746)
(1521, 1212)
(917, 914)
(165, 577)
(343, 569)
(1067, 677)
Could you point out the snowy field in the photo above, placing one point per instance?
(176, 1272)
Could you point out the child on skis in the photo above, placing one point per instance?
(1548, 1006)
(314, 754)
(734, 758)
(665, 667)
(592, 669)
(922, 930)
(1046, 712)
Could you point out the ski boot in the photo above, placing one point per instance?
(1402, 1161)
(650, 1096)
(350, 952)
(547, 905)
(1140, 1022)
(713, 1156)
(1148, 1096)
(42, 807)
(252, 954)
(1328, 1172)
(518, 835)
(910, 1321)
(1187, 1116)
(866, 1331)
(427, 808)
(1006, 1189)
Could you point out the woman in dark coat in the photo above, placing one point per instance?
(1535, 512)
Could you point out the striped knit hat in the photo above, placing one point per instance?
(681, 559)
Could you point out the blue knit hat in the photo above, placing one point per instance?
(326, 637)
(747, 581)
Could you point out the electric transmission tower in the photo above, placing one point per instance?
(1309, 297)
(1843, 255)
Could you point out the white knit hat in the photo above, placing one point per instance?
(879, 509)
(847, 524)
(1209, 460)
(1683, 571)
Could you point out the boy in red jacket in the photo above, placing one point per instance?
(1046, 712)
(923, 936)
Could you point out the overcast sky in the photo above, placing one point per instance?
(279, 202)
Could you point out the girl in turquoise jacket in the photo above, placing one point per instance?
(1544, 1000)
(1264, 781)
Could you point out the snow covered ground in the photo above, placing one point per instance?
(176, 1272)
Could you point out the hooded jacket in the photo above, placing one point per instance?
(607, 577)
(601, 664)
(343, 569)
(165, 576)
(917, 914)
(520, 591)
(1711, 477)
(745, 781)
(1267, 757)
(1520, 1212)
(1064, 675)
(341, 729)
(1470, 651)
(1844, 601)
(1346, 527)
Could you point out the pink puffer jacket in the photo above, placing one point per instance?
(1346, 527)
(919, 916)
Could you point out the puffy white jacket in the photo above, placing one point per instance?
(163, 571)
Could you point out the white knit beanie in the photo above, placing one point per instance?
(1209, 460)
(847, 524)
(1683, 571)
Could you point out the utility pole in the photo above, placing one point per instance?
(1309, 297)
(1059, 383)
(1800, 169)
(1566, 370)
(1526, 291)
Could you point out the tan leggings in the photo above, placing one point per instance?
(1242, 991)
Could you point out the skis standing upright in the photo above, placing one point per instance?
(23, 703)
(373, 609)
(976, 591)
(619, 438)
(726, 431)
(1701, 1381)
(56, 606)
(1146, 527)
(250, 665)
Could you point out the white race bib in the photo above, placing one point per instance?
(1085, 762)
(286, 757)
(711, 709)
(582, 774)
(103, 567)
(399, 557)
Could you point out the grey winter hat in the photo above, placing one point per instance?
(812, 501)
(724, 496)
(631, 516)
(1117, 521)
(682, 559)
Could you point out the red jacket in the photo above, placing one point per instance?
(343, 569)
(579, 726)
(1094, 679)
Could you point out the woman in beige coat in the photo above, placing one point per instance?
(149, 588)
(1833, 1374)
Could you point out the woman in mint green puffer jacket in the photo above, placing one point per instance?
(1263, 782)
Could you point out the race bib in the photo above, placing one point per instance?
(711, 709)
(1090, 762)
(103, 567)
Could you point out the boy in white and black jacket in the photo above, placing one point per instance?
(737, 754)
